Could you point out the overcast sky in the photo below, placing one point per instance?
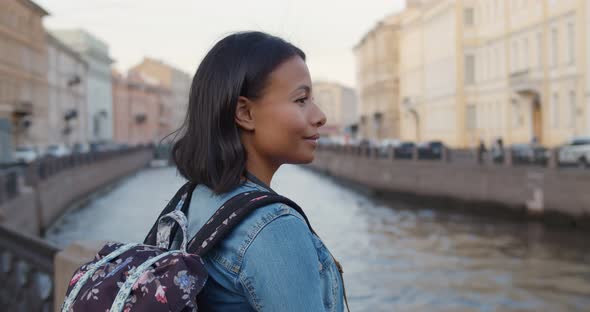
(180, 32)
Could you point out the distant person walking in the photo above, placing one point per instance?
(498, 151)
(481, 150)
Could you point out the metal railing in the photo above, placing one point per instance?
(26, 272)
(49, 166)
(8, 184)
(27, 262)
(46, 167)
(468, 157)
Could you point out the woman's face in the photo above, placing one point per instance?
(285, 117)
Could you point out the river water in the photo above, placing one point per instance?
(396, 256)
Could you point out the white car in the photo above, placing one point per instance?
(576, 152)
(57, 150)
(25, 154)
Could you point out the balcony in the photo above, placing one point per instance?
(523, 82)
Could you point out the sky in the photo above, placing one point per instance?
(180, 32)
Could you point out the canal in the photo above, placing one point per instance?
(396, 256)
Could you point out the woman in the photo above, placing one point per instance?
(250, 111)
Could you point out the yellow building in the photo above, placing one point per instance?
(23, 72)
(431, 76)
(377, 58)
(476, 70)
(528, 60)
(339, 104)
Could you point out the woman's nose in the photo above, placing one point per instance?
(319, 116)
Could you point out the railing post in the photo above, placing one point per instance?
(444, 154)
(67, 261)
(3, 193)
(553, 162)
(508, 158)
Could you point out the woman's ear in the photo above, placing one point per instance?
(244, 117)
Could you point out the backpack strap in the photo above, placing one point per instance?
(180, 201)
(230, 214)
(224, 220)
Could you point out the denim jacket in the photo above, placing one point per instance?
(270, 262)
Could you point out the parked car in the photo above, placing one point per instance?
(104, 146)
(430, 150)
(80, 148)
(576, 152)
(385, 144)
(528, 153)
(405, 150)
(25, 154)
(368, 143)
(57, 150)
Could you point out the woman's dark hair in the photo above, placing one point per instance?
(209, 150)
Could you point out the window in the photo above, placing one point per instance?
(513, 57)
(490, 116)
(469, 18)
(517, 55)
(471, 117)
(515, 114)
(525, 59)
(497, 68)
(539, 50)
(555, 110)
(470, 69)
(490, 63)
(571, 53)
(554, 47)
(499, 119)
(484, 64)
(572, 110)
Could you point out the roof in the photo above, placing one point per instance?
(35, 7)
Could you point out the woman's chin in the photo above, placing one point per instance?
(304, 159)
(309, 159)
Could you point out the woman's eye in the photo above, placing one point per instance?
(302, 100)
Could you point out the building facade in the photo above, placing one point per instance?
(339, 104)
(99, 97)
(474, 71)
(377, 58)
(530, 70)
(140, 104)
(66, 120)
(23, 73)
(174, 79)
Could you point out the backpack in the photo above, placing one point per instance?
(153, 277)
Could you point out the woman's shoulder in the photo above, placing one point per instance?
(272, 227)
(264, 217)
(260, 217)
(266, 225)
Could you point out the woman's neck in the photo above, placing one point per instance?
(261, 170)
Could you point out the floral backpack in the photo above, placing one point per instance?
(152, 276)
